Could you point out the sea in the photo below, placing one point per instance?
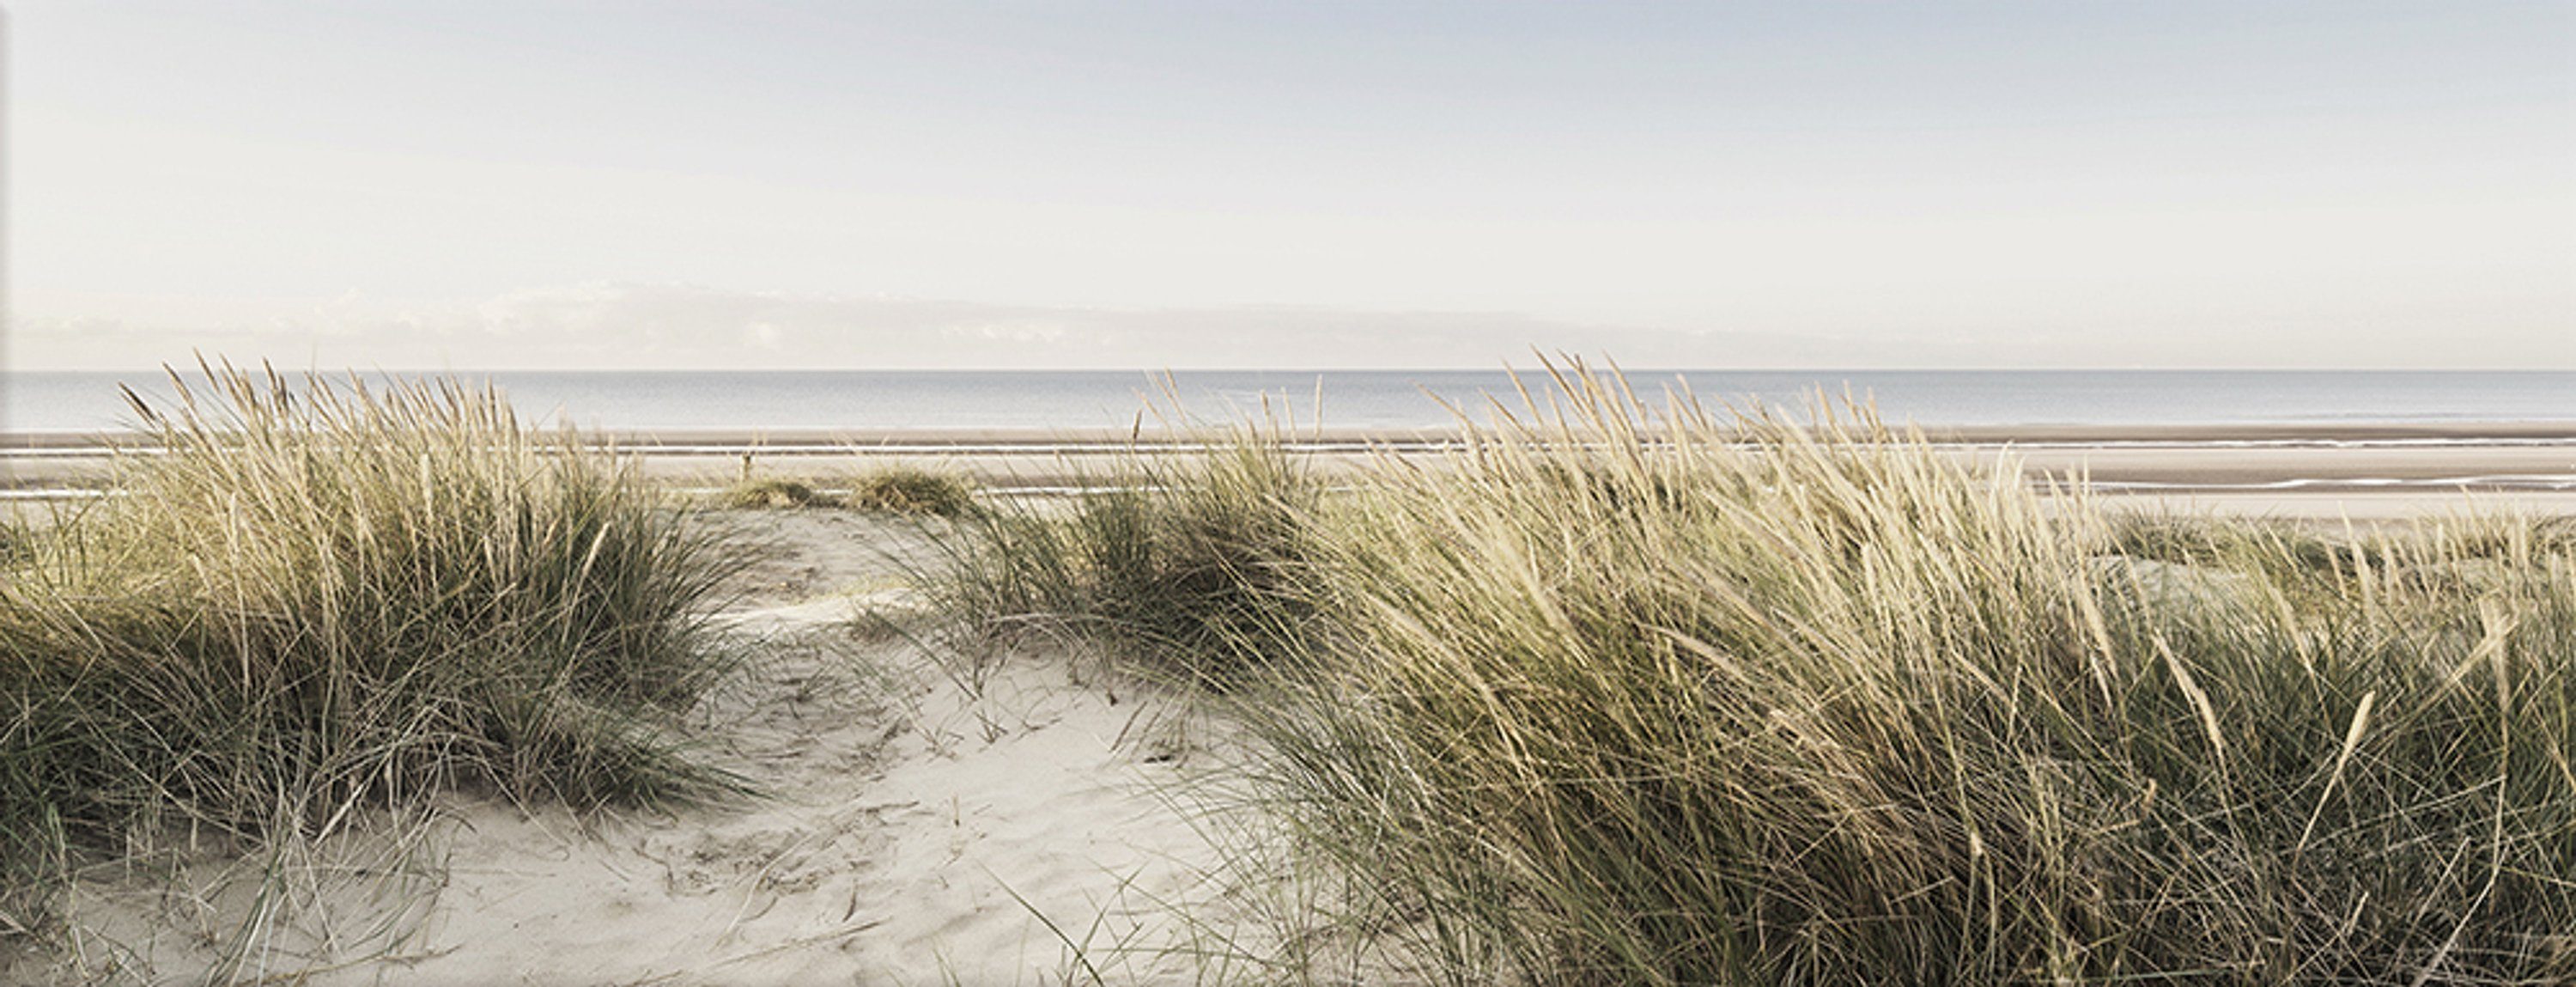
(898, 401)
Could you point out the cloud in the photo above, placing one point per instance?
(629, 325)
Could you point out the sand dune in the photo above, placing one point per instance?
(913, 823)
(917, 819)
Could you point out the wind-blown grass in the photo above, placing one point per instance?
(304, 603)
(771, 493)
(901, 491)
(1633, 695)
(1185, 568)
(906, 490)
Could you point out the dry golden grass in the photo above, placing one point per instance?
(1640, 694)
(307, 602)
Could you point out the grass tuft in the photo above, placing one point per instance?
(771, 493)
(1633, 694)
(307, 602)
(910, 491)
(1186, 568)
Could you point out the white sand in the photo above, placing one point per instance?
(915, 827)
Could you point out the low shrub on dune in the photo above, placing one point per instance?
(302, 603)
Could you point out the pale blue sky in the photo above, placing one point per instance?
(492, 185)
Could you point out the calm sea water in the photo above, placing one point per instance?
(59, 401)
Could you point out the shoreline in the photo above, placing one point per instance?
(2479, 432)
(2301, 469)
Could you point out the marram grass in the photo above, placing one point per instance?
(1633, 695)
(1184, 567)
(902, 491)
(306, 602)
(771, 493)
(907, 490)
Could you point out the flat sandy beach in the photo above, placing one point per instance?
(2309, 471)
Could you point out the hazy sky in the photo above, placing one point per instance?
(1196, 184)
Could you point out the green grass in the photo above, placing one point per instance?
(315, 601)
(1632, 695)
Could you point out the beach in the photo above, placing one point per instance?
(1287, 495)
(917, 811)
(2373, 470)
(912, 824)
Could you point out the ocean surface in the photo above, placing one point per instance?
(46, 401)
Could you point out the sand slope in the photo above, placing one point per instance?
(916, 823)
(896, 842)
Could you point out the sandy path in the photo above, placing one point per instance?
(910, 831)
(913, 826)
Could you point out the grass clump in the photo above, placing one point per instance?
(1635, 695)
(306, 603)
(1185, 568)
(772, 493)
(912, 491)
(905, 491)
(1756, 703)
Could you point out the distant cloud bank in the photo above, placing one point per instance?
(624, 326)
(680, 326)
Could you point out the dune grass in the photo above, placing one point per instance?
(1642, 695)
(307, 602)
(775, 493)
(902, 491)
(1183, 567)
(906, 490)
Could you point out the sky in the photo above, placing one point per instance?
(648, 185)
